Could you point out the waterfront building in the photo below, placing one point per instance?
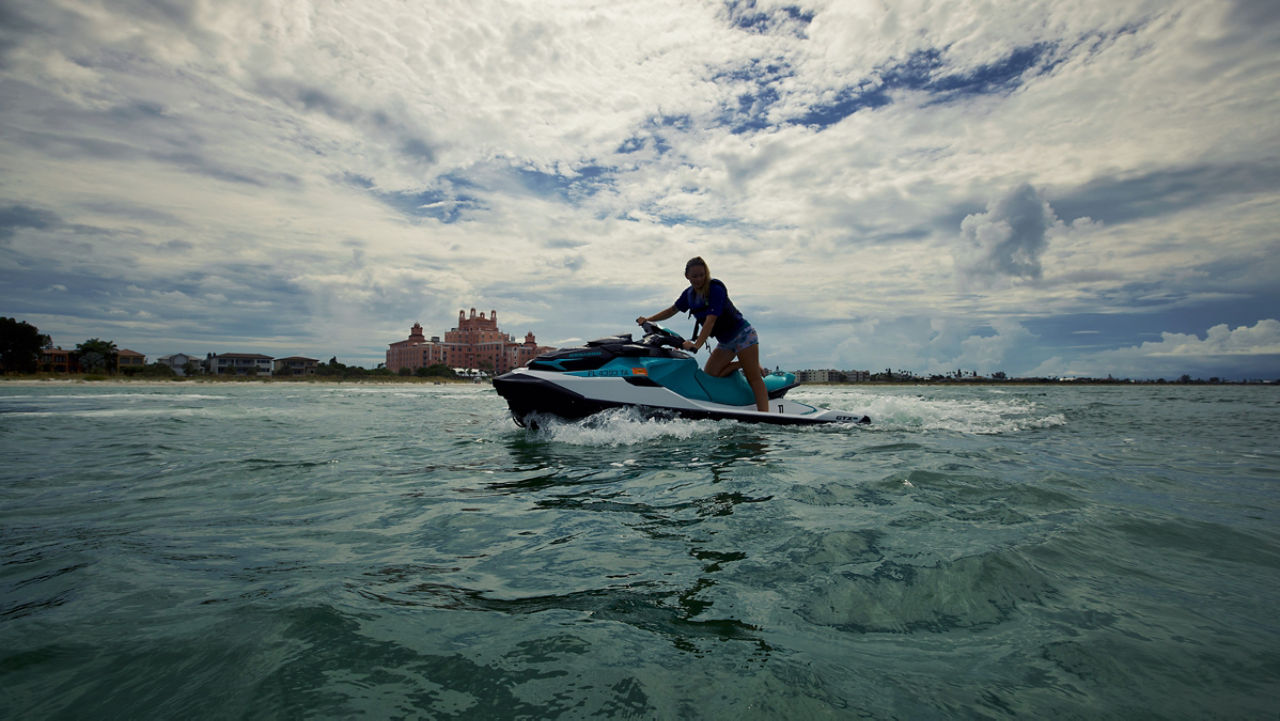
(239, 364)
(825, 375)
(294, 366)
(830, 375)
(475, 343)
(57, 360)
(179, 362)
(130, 359)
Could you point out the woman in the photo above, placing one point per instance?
(708, 300)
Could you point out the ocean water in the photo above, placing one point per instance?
(405, 551)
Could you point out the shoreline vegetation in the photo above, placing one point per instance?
(29, 355)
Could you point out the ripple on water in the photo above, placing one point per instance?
(404, 550)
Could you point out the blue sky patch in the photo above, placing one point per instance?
(746, 15)
(1001, 76)
(848, 102)
(445, 204)
(924, 70)
(584, 182)
(654, 135)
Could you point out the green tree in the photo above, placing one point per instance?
(152, 370)
(98, 355)
(332, 368)
(438, 370)
(20, 344)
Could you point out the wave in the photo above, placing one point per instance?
(889, 412)
(105, 413)
(100, 396)
(974, 416)
(621, 427)
(397, 388)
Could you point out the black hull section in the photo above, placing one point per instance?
(528, 397)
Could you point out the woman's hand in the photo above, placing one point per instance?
(641, 320)
(690, 345)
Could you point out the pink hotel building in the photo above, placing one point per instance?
(475, 343)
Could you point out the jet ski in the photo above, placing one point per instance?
(653, 375)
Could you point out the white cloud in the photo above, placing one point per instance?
(1007, 240)
(989, 353)
(1261, 339)
(1241, 352)
(579, 152)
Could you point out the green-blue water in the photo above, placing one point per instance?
(405, 551)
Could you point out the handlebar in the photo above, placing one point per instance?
(664, 336)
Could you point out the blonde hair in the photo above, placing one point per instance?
(698, 261)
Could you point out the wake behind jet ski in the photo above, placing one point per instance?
(652, 375)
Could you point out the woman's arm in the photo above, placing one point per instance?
(660, 315)
(708, 324)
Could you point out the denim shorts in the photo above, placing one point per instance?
(745, 338)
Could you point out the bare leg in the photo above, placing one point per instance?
(750, 357)
(719, 363)
(737, 366)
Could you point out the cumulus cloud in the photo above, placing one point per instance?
(1009, 239)
(988, 353)
(1240, 352)
(526, 155)
(1221, 340)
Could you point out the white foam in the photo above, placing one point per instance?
(110, 413)
(620, 427)
(889, 411)
(97, 396)
(407, 390)
(991, 414)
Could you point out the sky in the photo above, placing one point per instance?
(1061, 188)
